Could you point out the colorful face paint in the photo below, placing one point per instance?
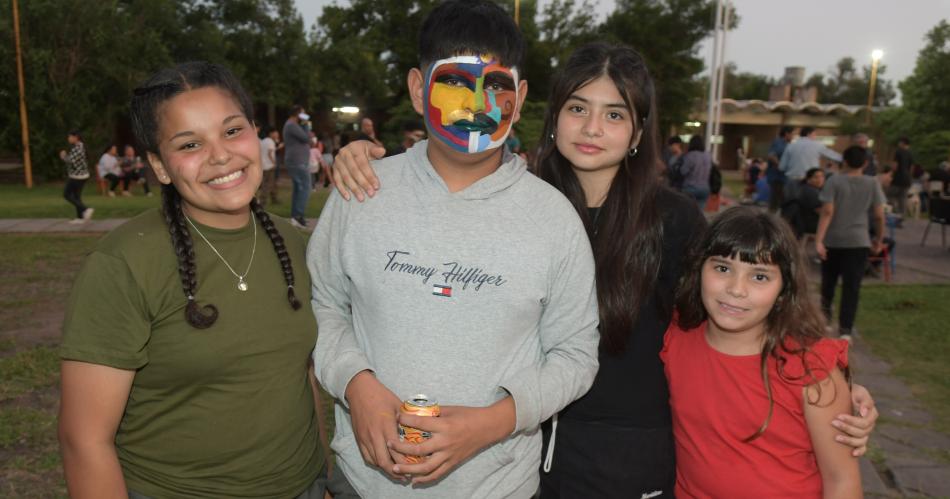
(470, 101)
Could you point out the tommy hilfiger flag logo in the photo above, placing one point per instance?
(440, 290)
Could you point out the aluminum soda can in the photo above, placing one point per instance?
(418, 405)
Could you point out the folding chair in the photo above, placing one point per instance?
(939, 214)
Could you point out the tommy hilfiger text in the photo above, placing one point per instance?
(451, 272)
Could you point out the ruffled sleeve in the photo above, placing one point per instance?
(821, 358)
(668, 339)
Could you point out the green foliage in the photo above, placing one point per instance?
(744, 85)
(531, 124)
(893, 123)
(78, 57)
(926, 95)
(84, 58)
(931, 148)
(926, 92)
(364, 51)
(846, 85)
(667, 33)
(562, 26)
(926, 102)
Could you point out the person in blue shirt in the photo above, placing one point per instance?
(774, 176)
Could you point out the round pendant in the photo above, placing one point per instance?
(242, 285)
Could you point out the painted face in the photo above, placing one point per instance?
(470, 101)
(738, 296)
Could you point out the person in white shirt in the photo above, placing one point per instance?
(108, 168)
(268, 189)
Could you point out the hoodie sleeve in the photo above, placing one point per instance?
(337, 356)
(569, 339)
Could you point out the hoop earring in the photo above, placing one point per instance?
(633, 152)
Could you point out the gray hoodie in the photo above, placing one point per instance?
(465, 297)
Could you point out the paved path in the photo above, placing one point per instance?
(58, 225)
(907, 453)
(910, 459)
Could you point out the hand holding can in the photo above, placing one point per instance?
(418, 405)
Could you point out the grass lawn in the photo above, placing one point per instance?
(908, 327)
(46, 201)
(38, 273)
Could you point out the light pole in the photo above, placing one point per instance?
(713, 75)
(24, 122)
(876, 55)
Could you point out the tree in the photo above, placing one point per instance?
(926, 92)
(564, 25)
(926, 102)
(845, 85)
(365, 50)
(667, 33)
(746, 86)
(80, 66)
(263, 42)
(83, 59)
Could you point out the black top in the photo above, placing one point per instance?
(904, 159)
(808, 204)
(630, 388)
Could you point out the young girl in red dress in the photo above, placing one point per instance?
(754, 384)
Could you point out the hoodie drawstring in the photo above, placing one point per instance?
(549, 456)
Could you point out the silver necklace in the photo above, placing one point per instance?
(242, 284)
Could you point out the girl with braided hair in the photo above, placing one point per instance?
(185, 349)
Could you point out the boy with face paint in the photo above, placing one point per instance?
(470, 101)
(467, 280)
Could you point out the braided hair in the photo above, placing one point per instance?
(146, 101)
(278, 241)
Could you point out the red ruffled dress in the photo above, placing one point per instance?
(718, 400)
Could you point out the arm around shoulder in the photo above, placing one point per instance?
(93, 401)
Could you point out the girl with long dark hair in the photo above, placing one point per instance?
(600, 149)
(754, 383)
(186, 348)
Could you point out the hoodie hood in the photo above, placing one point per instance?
(511, 169)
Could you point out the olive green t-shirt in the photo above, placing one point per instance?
(225, 411)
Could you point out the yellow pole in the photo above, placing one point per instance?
(518, 12)
(24, 123)
(871, 90)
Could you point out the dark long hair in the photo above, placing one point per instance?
(628, 238)
(145, 106)
(758, 237)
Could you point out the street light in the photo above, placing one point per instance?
(876, 56)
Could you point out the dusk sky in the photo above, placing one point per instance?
(815, 34)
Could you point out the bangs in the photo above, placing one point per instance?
(752, 238)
